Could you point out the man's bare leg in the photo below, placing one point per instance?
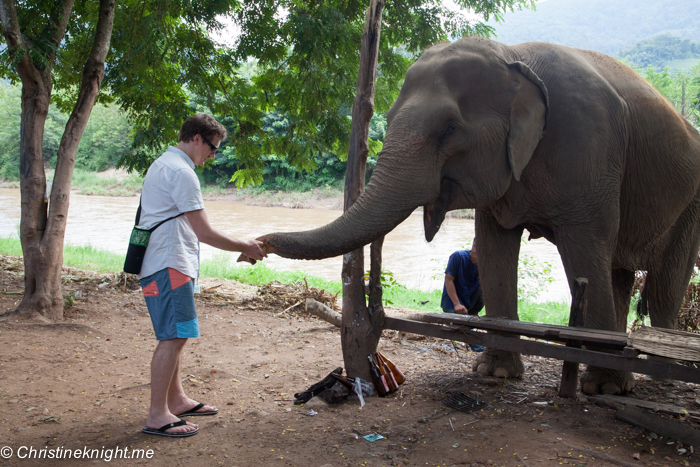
(178, 402)
(163, 366)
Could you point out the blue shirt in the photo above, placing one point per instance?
(466, 281)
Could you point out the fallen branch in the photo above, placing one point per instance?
(320, 310)
(324, 312)
(289, 308)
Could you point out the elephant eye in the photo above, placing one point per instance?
(446, 132)
(449, 129)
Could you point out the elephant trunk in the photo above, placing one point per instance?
(387, 201)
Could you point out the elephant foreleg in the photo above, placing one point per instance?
(498, 268)
(596, 379)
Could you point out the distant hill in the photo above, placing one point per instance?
(603, 25)
(660, 51)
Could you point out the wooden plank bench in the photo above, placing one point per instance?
(505, 334)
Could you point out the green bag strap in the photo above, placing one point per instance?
(138, 218)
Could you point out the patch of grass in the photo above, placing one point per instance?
(81, 257)
(545, 312)
(90, 183)
(682, 64)
(89, 257)
(9, 183)
(10, 246)
(223, 266)
(213, 190)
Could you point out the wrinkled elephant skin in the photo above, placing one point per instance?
(569, 144)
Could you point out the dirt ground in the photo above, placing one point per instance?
(84, 383)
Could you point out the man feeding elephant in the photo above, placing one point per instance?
(569, 144)
(171, 263)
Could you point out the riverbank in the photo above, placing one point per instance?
(118, 182)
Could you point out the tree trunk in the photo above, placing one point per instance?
(361, 327)
(43, 221)
(40, 271)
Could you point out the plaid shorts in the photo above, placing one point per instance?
(169, 296)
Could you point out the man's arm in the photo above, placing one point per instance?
(452, 293)
(209, 235)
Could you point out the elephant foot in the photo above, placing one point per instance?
(597, 380)
(499, 363)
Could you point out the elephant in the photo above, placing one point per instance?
(568, 144)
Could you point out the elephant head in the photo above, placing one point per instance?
(463, 129)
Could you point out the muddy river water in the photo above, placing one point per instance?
(105, 222)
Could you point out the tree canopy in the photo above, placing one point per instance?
(164, 63)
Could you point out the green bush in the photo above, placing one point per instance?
(105, 140)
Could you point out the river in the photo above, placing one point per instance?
(105, 222)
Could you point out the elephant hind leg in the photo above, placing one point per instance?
(605, 381)
(670, 271)
(622, 282)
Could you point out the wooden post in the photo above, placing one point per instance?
(577, 318)
(375, 279)
(361, 327)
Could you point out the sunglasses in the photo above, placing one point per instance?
(211, 146)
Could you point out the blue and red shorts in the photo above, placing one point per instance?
(169, 296)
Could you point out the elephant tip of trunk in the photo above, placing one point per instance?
(266, 248)
(433, 215)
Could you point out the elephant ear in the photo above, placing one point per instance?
(528, 117)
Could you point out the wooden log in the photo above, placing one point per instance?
(528, 347)
(655, 406)
(577, 318)
(660, 425)
(320, 310)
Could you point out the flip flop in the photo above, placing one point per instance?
(161, 431)
(193, 411)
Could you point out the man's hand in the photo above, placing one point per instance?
(452, 293)
(253, 249)
(209, 235)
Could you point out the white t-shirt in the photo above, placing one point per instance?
(169, 188)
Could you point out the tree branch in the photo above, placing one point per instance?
(15, 44)
(93, 72)
(59, 20)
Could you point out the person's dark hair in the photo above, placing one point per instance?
(203, 125)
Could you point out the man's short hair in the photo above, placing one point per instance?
(203, 125)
